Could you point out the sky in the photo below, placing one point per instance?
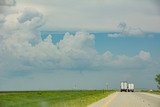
(71, 44)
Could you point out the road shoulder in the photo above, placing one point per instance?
(105, 101)
(153, 95)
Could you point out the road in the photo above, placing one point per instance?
(129, 99)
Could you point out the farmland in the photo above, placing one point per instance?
(66, 98)
(154, 92)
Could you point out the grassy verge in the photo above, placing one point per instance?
(153, 92)
(70, 98)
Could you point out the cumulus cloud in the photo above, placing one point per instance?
(7, 2)
(31, 18)
(144, 14)
(29, 14)
(107, 56)
(32, 62)
(2, 19)
(23, 49)
(144, 55)
(127, 31)
(115, 35)
(73, 52)
(22, 24)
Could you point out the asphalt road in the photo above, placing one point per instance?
(129, 99)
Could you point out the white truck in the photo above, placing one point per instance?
(130, 87)
(124, 86)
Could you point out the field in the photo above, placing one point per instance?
(152, 92)
(68, 98)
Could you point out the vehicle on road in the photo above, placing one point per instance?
(130, 87)
(127, 87)
(124, 86)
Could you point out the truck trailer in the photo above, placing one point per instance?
(124, 86)
(130, 87)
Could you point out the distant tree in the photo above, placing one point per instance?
(158, 80)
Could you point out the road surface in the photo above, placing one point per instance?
(129, 99)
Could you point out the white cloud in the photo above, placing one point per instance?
(73, 52)
(97, 15)
(31, 18)
(127, 31)
(23, 49)
(7, 2)
(144, 55)
(2, 20)
(115, 35)
(107, 56)
(48, 39)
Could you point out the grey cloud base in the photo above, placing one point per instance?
(7, 2)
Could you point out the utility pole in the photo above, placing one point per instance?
(107, 85)
(75, 87)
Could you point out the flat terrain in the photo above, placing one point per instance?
(129, 99)
(78, 98)
(153, 92)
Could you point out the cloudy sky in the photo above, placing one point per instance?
(83, 44)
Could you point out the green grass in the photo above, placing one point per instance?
(70, 98)
(152, 92)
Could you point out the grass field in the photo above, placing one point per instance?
(70, 98)
(152, 92)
